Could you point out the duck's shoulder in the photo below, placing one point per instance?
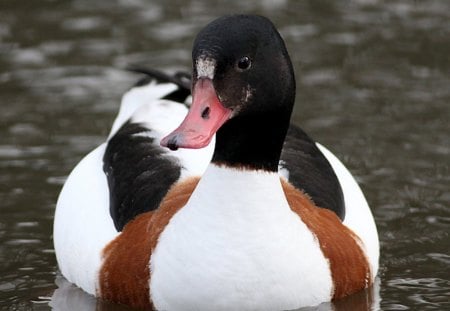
(133, 160)
(349, 266)
(133, 157)
(125, 274)
(308, 169)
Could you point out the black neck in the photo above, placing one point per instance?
(252, 141)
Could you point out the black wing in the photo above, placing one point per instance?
(311, 172)
(133, 160)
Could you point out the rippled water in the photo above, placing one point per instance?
(373, 85)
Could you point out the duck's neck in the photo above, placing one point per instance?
(252, 141)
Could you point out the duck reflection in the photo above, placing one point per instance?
(68, 297)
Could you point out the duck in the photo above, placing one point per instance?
(205, 197)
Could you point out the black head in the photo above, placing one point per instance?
(243, 89)
(252, 68)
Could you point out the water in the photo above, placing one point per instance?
(373, 86)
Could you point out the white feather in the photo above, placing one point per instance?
(358, 216)
(83, 225)
(238, 245)
(138, 96)
(206, 67)
(283, 171)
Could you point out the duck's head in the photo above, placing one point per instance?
(241, 69)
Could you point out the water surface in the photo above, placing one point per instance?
(373, 85)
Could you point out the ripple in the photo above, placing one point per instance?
(56, 180)
(53, 48)
(147, 15)
(424, 293)
(299, 32)
(27, 224)
(7, 286)
(84, 23)
(173, 31)
(23, 242)
(25, 129)
(421, 283)
(441, 220)
(26, 269)
(98, 48)
(345, 38)
(29, 56)
(10, 151)
(442, 258)
(321, 76)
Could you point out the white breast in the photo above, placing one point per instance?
(237, 245)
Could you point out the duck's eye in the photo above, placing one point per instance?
(244, 63)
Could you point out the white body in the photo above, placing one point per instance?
(273, 251)
(244, 244)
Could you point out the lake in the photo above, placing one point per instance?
(373, 80)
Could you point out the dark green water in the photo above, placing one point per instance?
(373, 86)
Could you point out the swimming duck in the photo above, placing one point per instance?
(244, 212)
